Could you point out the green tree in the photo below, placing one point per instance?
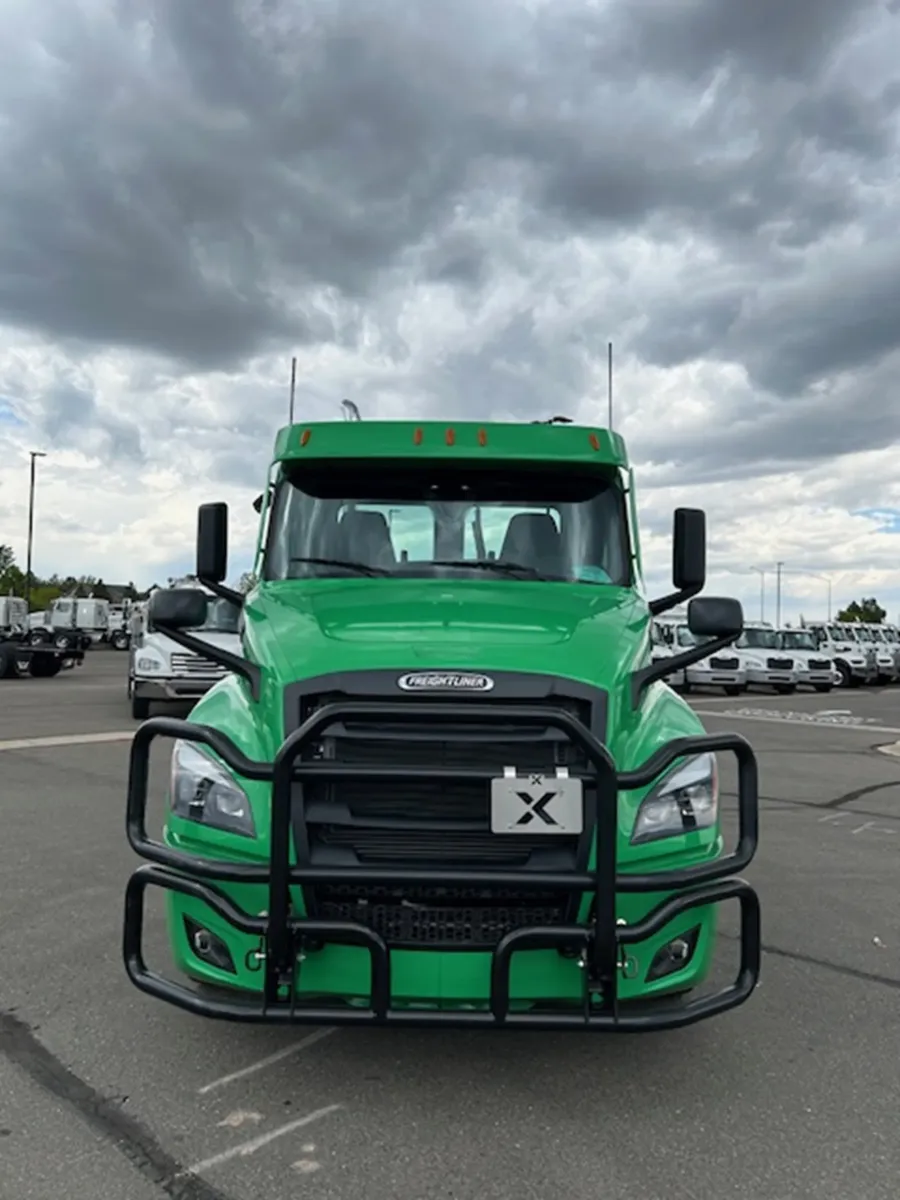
(868, 609)
(12, 579)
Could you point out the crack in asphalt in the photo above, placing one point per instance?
(810, 960)
(830, 804)
(20, 1046)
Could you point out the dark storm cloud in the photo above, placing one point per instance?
(214, 182)
(190, 183)
(767, 38)
(754, 435)
(68, 416)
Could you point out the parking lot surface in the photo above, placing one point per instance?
(107, 1093)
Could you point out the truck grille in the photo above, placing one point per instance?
(819, 664)
(724, 664)
(195, 667)
(779, 664)
(433, 823)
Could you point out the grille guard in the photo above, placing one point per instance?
(283, 935)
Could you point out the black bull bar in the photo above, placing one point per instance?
(283, 934)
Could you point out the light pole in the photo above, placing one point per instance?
(778, 569)
(35, 454)
(762, 591)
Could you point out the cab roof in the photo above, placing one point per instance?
(490, 441)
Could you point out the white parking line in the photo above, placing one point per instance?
(245, 1149)
(295, 1048)
(68, 739)
(809, 722)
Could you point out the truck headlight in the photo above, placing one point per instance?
(150, 665)
(683, 801)
(203, 791)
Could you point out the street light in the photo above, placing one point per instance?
(35, 454)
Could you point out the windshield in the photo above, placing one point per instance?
(841, 633)
(797, 639)
(221, 617)
(404, 520)
(686, 638)
(758, 639)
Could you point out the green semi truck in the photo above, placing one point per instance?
(444, 782)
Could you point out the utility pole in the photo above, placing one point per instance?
(778, 567)
(34, 455)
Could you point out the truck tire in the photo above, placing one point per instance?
(785, 689)
(822, 687)
(733, 689)
(847, 679)
(63, 641)
(8, 669)
(140, 708)
(119, 640)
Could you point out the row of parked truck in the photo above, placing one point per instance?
(820, 655)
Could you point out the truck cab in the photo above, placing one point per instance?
(723, 670)
(162, 672)
(854, 660)
(812, 668)
(443, 782)
(872, 637)
(765, 664)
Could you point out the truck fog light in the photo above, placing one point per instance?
(674, 955)
(208, 947)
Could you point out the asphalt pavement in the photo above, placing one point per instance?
(105, 1093)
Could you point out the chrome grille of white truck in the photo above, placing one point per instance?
(195, 667)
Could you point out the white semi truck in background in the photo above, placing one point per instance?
(160, 671)
(18, 656)
(70, 622)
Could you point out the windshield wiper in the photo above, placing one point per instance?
(489, 564)
(361, 568)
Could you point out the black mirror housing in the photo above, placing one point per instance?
(688, 559)
(689, 549)
(178, 608)
(212, 542)
(715, 617)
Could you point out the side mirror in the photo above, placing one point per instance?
(178, 608)
(689, 549)
(212, 542)
(688, 559)
(715, 617)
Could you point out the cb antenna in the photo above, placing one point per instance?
(609, 388)
(351, 412)
(293, 390)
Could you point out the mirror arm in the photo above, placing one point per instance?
(642, 678)
(664, 603)
(223, 592)
(224, 658)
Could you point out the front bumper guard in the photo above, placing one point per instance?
(283, 935)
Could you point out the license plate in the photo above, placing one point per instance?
(536, 804)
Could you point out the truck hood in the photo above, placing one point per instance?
(317, 627)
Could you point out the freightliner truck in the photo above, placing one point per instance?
(443, 782)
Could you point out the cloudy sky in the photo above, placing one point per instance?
(448, 207)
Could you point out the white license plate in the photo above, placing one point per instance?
(536, 804)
